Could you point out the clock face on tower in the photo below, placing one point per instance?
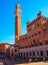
(33, 26)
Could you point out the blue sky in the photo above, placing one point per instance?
(29, 8)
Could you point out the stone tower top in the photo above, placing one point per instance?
(17, 6)
(18, 11)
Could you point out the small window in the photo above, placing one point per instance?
(23, 47)
(29, 45)
(15, 50)
(35, 34)
(27, 53)
(32, 35)
(33, 26)
(37, 41)
(39, 32)
(38, 24)
(44, 30)
(26, 38)
(20, 47)
(33, 53)
(24, 53)
(47, 52)
(32, 45)
(41, 53)
(28, 30)
(40, 43)
(21, 53)
(23, 38)
(12, 54)
(34, 41)
(26, 46)
(36, 44)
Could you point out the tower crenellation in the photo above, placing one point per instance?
(18, 11)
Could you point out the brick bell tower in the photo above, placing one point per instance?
(17, 22)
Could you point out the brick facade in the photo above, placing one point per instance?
(35, 42)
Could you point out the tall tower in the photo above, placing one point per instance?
(17, 22)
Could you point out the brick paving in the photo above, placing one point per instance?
(35, 63)
(9, 62)
(1, 63)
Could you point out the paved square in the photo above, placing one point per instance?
(1, 63)
(35, 63)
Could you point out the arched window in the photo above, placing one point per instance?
(39, 32)
(30, 53)
(26, 46)
(33, 45)
(29, 46)
(32, 35)
(12, 53)
(36, 44)
(33, 53)
(41, 53)
(26, 53)
(35, 34)
(40, 43)
(44, 30)
(47, 52)
(21, 53)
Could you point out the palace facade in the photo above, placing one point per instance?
(34, 44)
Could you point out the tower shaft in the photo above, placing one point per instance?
(17, 23)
